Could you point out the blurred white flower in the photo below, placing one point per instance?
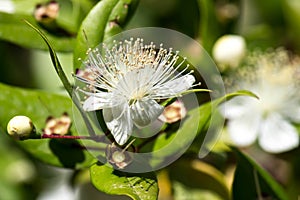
(58, 186)
(274, 77)
(130, 78)
(229, 50)
(7, 6)
(20, 171)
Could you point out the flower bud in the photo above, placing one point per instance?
(229, 50)
(118, 157)
(46, 13)
(20, 127)
(59, 126)
(173, 112)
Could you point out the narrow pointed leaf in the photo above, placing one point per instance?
(60, 72)
(55, 61)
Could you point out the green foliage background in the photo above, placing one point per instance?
(30, 86)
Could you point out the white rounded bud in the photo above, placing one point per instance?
(20, 127)
(229, 50)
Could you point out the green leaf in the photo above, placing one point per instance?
(60, 32)
(136, 186)
(252, 182)
(119, 17)
(182, 192)
(211, 26)
(107, 18)
(60, 72)
(55, 61)
(194, 174)
(291, 14)
(173, 142)
(11, 25)
(39, 106)
(210, 116)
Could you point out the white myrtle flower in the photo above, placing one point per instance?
(274, 77)
(129, 79)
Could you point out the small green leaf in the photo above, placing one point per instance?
(252, 182)
(38, 106)
(136, 186)
(107, 18)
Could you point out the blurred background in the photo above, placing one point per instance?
(263, 24)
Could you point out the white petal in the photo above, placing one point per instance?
(135, 81)
(174, 87)
(98, 101)
(118, 121)
(291, 111)
(244, 129)
(145, 112)
(278, 135)
(238, 106)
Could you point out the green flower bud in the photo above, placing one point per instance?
(20, 127)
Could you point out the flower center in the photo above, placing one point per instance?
(138, 95)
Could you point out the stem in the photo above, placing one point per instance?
(97, 138)
(128, 145)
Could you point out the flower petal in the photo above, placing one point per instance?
(238, 106)
(145, 112)
(97, 101)
(291, 111)
(119, 122)
(173, 87)
(243, 130)
(278, 135)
